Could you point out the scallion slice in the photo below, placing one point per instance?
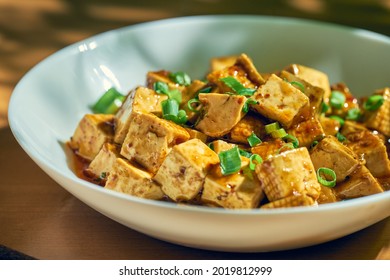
(230, 161)
(163, 88)
(170, 111)
(271, 127)
(337, 99)
(253, 140)
(109, 102)
(313, 144)
(323, 174)
(324, 107)
(248, 102)
(353, 114)
(254, 160)
(245, 153)
(285, 147)
(339, 119)
(340, 137)
(279, 133)
(180, 78)
(373, 102)
(298, 84)
(237, 87)
(292, 139)
(193, 101)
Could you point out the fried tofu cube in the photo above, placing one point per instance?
(245, 127)
(331, 153)
(149, 140)
(220, 146)
(221, 113)
(312, 76)
(329, 126)
(370, 147)
(327, 195)
(288, 173)
(161, 76)
(130, 179)
(101, 165)
(314, 93)
(196, 134)
(380, 119)
(243, 70)
(236, 191)
(360, 183)
(268, 148)
(307, 131)
(219, 63)
(91, 133)
(141, 99)
(290, 201)
(279, 101)
(183, 171)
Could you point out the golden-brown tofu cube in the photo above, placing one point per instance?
(245, 127)
(243, 70)
(290, 201)
(130, 179)
(307, 131)
(241, 190)
(268, 148)
(196, 134)
(380, 119)
(149, 139)
(91, 133)
(372, 149)
(221, 113)
(331, 153)
(279, 101)
(312, 76)
(329, 126)
(161, 76)
(360, 183)
(220, 146)
(288, 173)
(101, 165)
(141, 99)
(183, 171)
(327, 195)
(219, 63)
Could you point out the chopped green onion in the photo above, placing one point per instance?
(313, 144)
(237, 87)
(211, 145)
(190, 102)
(337, 99)
(323, 173)
(245, 153)
(253, 140)
(230, 161)
(287, 146)
(339, 119)
(271, 127)
(170, 111)
(353, 114)
(109, 102)
(324, 107)
(340, 137)
(248, 102)
(298, 84)
(254, 158)
(180, 78)
(373, 102)
(279, 133)
(163, 88)
(205, 90)
(291, 138)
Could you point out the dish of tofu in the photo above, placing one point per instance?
(238, 138)
(218, 156)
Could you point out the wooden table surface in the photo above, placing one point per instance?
(40, 219)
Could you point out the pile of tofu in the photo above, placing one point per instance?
(138, 152)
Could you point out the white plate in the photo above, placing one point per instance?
(50, 100)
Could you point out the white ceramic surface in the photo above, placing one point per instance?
(50, 100)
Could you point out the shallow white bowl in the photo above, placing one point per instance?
(50, 100)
